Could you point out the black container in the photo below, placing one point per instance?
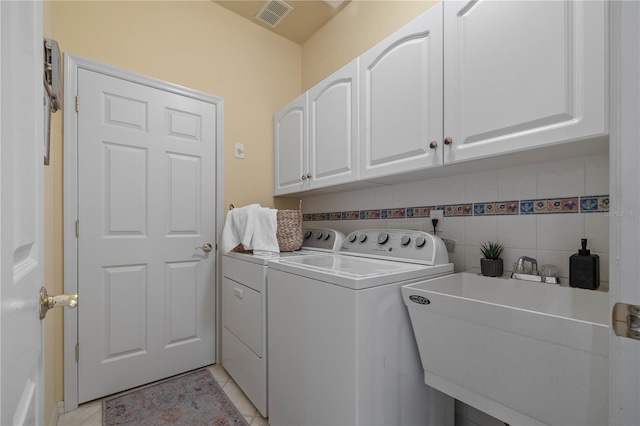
(584, 269)
(491, 267)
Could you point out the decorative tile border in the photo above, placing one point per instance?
(597, 203)
(457, 210)
(419, 211)
(568, 205)
(550, 205)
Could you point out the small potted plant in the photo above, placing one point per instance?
(491, 264)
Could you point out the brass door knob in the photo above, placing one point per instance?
(47, 302)
(206, 247)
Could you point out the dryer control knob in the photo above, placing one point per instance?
(420, 241)
(363, 238)
(327, 236)
(319, 235)
(383, 237)
(405, 240)
(307, 235)
(353, 238)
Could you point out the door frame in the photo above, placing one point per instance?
(73, 64)
(624, 382)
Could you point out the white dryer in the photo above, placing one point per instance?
(244, 311)
(341, 347)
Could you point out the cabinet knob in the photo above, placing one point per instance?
(308, 175)
(448, 140)
(433, 145)
(304, 177)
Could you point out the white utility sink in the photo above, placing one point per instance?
(524, 352)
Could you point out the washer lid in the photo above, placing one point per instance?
(357, 272)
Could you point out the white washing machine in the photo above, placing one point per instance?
(341, 347)
(244, 310)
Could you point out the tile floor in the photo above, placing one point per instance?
(90, 414)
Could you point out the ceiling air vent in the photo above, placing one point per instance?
(273, 12)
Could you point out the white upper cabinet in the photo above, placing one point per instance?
(290, 136)
(522, 74)
(316, 135)
(333, 129)
(401, 99)
(466, 80)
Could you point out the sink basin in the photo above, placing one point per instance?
(523, 352)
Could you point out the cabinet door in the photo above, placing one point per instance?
(290, 136)
(333, 128)
(522, 74)
(401, 99)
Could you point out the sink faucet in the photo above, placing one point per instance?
(534, 264)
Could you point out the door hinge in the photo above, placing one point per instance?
(626, 320)
(77, 103)
(77, 228)
(77, 351)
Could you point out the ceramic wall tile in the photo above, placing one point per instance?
(597, 174)
(596, 231)
(518, 231)
(478, 230)
(517, 183)
(561, 178)
(559, 231)
(480, 187)
(451, 189)
(472, 255)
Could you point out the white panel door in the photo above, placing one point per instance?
(21, 214)
(290, 136)
(146, 197)
(401, 99)
(522, 74)
(333, 128)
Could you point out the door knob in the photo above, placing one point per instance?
(206, 247)
(47, 302)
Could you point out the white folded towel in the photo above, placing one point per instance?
(252, 226)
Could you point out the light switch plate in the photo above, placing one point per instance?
(238, 150)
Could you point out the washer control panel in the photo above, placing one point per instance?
(322, 239)
(396, 244)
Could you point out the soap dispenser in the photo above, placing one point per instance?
(584, 268)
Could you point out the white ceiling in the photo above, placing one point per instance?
(307, 16)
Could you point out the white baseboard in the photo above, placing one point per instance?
(57, 410)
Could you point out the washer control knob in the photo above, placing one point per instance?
(383, 237)
(353, 238)
(405, 240)
(307, 235)
(363, 238)
(420, 242)
(319, 235)
(327, 236)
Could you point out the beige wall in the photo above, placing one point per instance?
(196, 44)
(357, 28)
(201, 45)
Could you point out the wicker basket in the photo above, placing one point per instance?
(289, 230)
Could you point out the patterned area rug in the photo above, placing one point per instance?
(193, 398)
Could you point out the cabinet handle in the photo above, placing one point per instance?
(433, 145)
(448, 140)
(308, 175)
(304, 177)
